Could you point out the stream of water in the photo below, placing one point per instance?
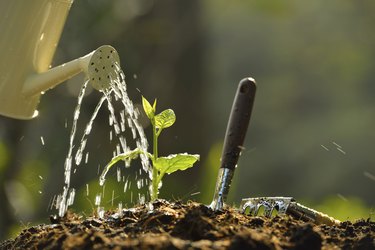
(119, 121)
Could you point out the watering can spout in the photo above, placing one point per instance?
(40, 82)
(30, 31)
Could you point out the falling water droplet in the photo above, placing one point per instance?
(341, 151)
(72, 194)
(369, 175)
(139, 184)
(98, 170)
(342, 197)
(52, 203)
(119, 208)
(98, 199)
(324, 147)
(141, 199)
(110, 121)
(87, 158)
(113, 197)
(101, 212)
(118, 174)
(150, 206)
(103, 192)
(337, 145)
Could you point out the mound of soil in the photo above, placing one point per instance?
(164, 225)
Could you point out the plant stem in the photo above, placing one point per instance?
(155, 182)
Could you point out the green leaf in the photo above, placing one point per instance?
(154, 106)
(131, 155)
(165, 119)
(175, 162)
(149, 110)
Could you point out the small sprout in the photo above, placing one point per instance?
(149, 110)
(161, 165)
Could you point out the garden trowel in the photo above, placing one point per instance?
(234, 137)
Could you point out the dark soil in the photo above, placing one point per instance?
(191, 226)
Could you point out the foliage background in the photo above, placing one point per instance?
(314, 64)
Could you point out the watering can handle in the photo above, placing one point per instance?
(238, 123)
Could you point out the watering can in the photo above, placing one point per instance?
(30, 31)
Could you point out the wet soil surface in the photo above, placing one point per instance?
(190, 226)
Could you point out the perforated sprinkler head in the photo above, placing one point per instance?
(103, 67)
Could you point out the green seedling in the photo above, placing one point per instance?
(160, 165)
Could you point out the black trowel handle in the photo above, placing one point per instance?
(238, 122)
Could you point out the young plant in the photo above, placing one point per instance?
(160, 165)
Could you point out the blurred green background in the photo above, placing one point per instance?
(312, 131)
